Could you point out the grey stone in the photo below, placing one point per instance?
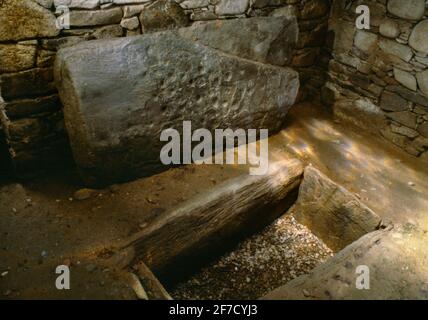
(193, 4)
(77, 4)
(410, 133)
(25, 19)
(108, 32)
(396, 258)
(231, 7)
(130, 23)
(268, 40)
(393, 102)
(406, 79)
(422, 78)
(162, 15)
(110, 122)
(397, 49)
(331, 212)
(344, 35)
(133, 10)
(409, 9)
(83, 18)
(46, 3)
(390, 29)
(365, 41)
(409, 95)
(418, 38)
(203, 15)
(405, 118)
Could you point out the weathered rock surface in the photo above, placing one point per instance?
(78, 4)
(231, 7)
(390, 29)
(423, 81)
(162, 15)
(160, 79)
(409, 9)
(418, 37)
(331, 212)
(397, 260)
(33, 82)
(269, 40)
(25, 19)
(393, 102)
(15, 57)
(82, 18)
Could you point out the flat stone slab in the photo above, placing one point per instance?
(396, 259)
(331, 212)
(265, 39)
(120, 94)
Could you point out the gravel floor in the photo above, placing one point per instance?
(280, 253)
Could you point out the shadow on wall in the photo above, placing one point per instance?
(377, 77)
(5, 165)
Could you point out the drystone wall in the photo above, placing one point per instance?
(31, 113)
(378, 78)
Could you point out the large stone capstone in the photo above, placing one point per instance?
(120, 94)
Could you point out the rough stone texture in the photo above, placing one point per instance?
(22, 108)
(383, 68)
(314, 9)
(365, 41)
(418, 37)
(29, 83)
(396, 257)
(406, 79)
(94, 17)
(84, 18)
(112, 135)
(390, 29)
(393, 102)
(409, 9)
(15, 57)
(396, 49)
(231, 7)
(269, 39)
(423, 81)
(78, 4)
(331, 212)
(163, 15)
(24, 19)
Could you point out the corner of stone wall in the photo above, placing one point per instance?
(378, 78)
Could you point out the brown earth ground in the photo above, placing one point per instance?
(42, 225)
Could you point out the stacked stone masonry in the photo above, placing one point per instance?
(30, 110)
(382, 72)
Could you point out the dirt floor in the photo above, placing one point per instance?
(42, 225)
